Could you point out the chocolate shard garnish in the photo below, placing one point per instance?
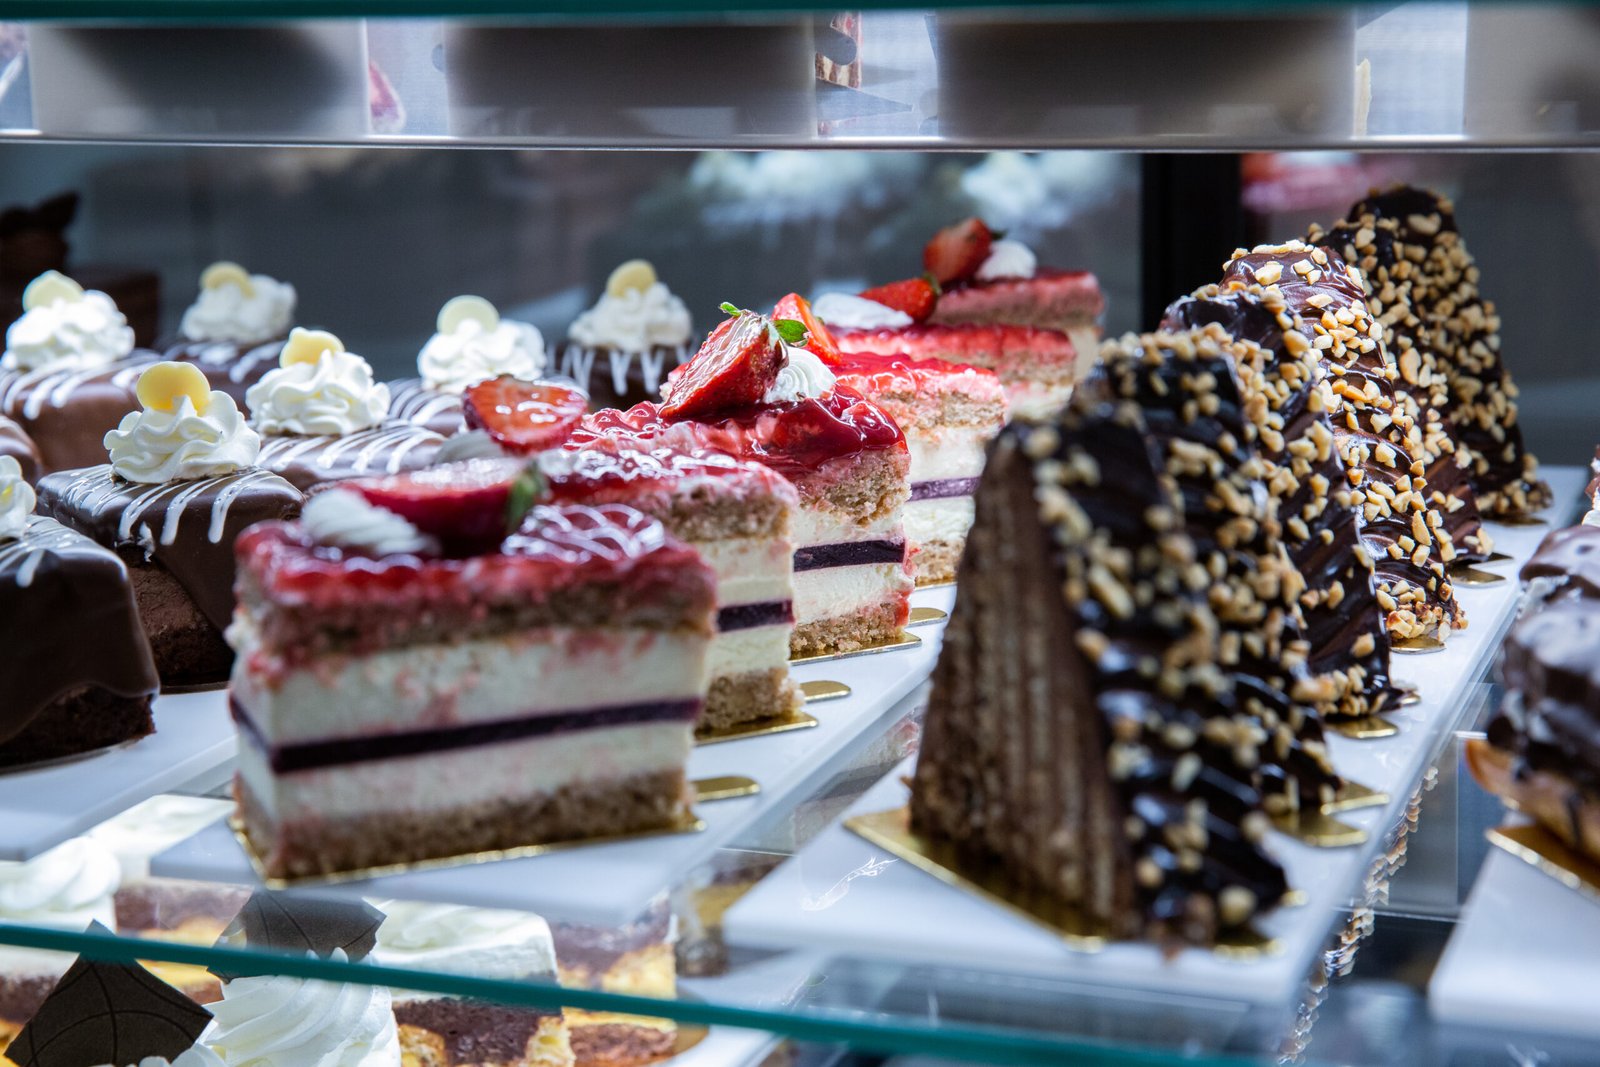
(1081, 736)
(1423, 284)
(1375, 431)
(108, 1013)
(296, 925)
(1345, 624)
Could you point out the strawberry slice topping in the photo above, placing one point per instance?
(733, 369)
(956, 252)
(523, 417)
(467, 506)
(914, 296)
(818, 340)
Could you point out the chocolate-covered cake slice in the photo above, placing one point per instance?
(76, 667)
(1374, 430)
(1114, 779)
(1407, 241)
(235, 328)
(1345, 621)
(1565, 565)
(15, 442)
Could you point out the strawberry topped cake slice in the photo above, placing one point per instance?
(752, 392)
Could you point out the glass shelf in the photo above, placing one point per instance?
(656, 74)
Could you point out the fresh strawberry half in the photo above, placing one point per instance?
(914, 296)
(956, 252)
(733, 369)
(467, 506)
(818, 340)
(523, 417)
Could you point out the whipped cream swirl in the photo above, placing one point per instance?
(82, 334)
(452, 939)
(184, 444)
(154, 826)
(635, 321)
(470, 354)
(803, 377)
(67, 888)
(343, 518)
(334, 396)
(226, 313)
(16, 499)
(278, 1021)
(1008, 259)
(858, 313)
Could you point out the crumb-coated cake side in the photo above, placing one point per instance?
(1123, 792)
(357, 626)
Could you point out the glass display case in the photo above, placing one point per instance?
(385, 156)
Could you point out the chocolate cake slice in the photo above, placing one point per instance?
(1407, 241)
(1566, 565)
(1345, 620)
(15, 442)
(1374, 430)
(1103, 779)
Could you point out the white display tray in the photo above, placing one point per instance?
(843, 895)
(610, 884)
(1522, 956)
(44, 806)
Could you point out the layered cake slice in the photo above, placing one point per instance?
(181, 486)
(68, 372)
(235, 328)
(394, 641)
(637, 959)
(322, 417)
(755, 395)
(471, 343)
(1099, 783)
(76, 667)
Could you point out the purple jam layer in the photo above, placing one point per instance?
(848, 554)
(943, 488)
(749, 616)
(311, 755)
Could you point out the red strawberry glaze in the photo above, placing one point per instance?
(795, 439)
(622, 470)
(875, 375)
(1078, 289)
(557, 549)
(986, 346)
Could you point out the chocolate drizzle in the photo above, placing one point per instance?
(1081, 736)
(411, 401)
(389, 449)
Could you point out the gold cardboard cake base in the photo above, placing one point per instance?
(1366, 728)
(1318, 829)
(905, 640)
(1466, 574)
(936, 585)
(923, 616)
(819, 691)
(1405, 695)
(1418, 646)
(798, 720)
(1354, 795)
(1538, 847)
(891, 831)
(1516, 520)
(1497, 557)
(724, 787)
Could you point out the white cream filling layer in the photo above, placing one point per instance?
(484, 680)
(944, 519)
(750, 570)
(952, 453)
(824, 526)
(758, 648)
(833, 592)
(466, 777)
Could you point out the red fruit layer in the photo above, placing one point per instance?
(568, 565)
(819, 341)
(733, 369)
(521, 416)
(997, 348)
(622, 471)
(875, 375)
(794, 439)
(1067, 291)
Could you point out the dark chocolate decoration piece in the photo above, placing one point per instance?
(296, 925)
(108, 1013)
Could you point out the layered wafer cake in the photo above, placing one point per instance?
(506, 946)
(755, 395)
(1103, 783)
(181, 486)
(637, 959)
(322, 417)
(235, 328)
(1406, 241)
(471, 343)
(414, 683)
(1375, 431)
(76, 668)
(1345, 620)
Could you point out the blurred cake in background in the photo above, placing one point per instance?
(621, 349)
(471, 344)
(15, 442)
(235, 327)
(637, 959)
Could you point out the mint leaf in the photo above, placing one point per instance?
(529, 488)
(729, 308)
(793, 331)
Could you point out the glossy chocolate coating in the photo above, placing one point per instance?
(410, 401)
(15, 442)
(69, 413)
(308, 461)
(1566, 564)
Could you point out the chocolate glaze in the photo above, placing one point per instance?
(69, 413)
(67, 620)
(474, 1031)
(1550, 663)
(1566, 564)
(15, 442)
(230, 366)
(412, 402)
(308, 461)
(186, 527)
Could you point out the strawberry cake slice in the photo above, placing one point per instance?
(752, 392)
(413, 682)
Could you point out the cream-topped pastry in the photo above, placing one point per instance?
(234, 305)
(279, 1021)
(16, 499)
(1008, 258)
(621, 349)
(186, 431)
(802, 377)
(65, 327)
(473, 344)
